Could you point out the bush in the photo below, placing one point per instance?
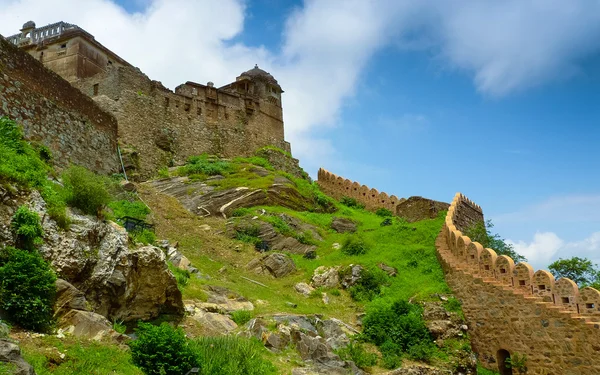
(356, 352)
(54, 196)
(354, 245)
(481, 232)
(384, 212)
(27, 228)
(351, 202)
(242, 211)
(144, 236)
(390, 355)
(182, 276)
(386, 222)
(204, 165)
(400, 327)
(368, 285)
(249, 234)
(231, 355)
(306, 238)
(85, 190)
(162, 350)
(124, 208)
(241, 317)
(27, 288)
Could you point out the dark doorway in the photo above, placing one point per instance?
(502, 356)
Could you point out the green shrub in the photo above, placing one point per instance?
(182, 276)
(163, 173)
(256, 160)
(400, 324)
(248, 234)
(306, 238)
(351, 202)
(242, 211)
(231, 355)
(27, 228)
(241, 317)
(27, 288)
(368, 285)
(162, 350)
(453, 305)
(126, 208)
(390, 355)
(144, 236)
(85, 190)
(482, 232)
(356, 352)
(7, 368)
(335, 292)
(354, 245)
(205, 165)
(54, 196)
(384, 212)
(119, 326)
(280, 225)
(386, 222)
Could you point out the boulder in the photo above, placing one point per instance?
(342, 225)
(10, 353)
(391, 271)
(214, 323)
(68, 298)
(326, 277)
(276, 264)
(304, 288)
(419, 208)
(350, 275)
(89, 325)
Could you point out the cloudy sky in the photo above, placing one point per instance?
(497, 99)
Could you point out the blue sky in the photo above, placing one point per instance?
(498, 100)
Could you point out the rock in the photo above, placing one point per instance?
(336, 246)
(438, 328)
(119, 282)
(10, 353)
(128, 186)
(303, 288)
(419, 208)
(275, 264)
(326, 277)
(226, 300)
(391, 271)
(88, 325)
(214, 323)
(418, 370)
(342, 225)
(4, 330)
(325, 298)
(276, 341)
(325, 361)
(68, 298)
(205, 227)
(179, 260)
(350, 275)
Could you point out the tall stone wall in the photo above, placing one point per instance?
(164, 128)
(513, 309)
(56, 114)
(339, 187)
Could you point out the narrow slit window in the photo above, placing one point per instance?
(565, 300)
(590, 305)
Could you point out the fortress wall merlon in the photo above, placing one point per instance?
(509, 306)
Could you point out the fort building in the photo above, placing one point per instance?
(158, 127)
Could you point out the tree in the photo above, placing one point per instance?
(580, 270)
(481, 232)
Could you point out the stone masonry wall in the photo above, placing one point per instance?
(339, 187)
(162, 128)
(56, 114)
(512, 308)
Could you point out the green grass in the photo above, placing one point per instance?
(81, 357)
(483, 371)
(7, 369)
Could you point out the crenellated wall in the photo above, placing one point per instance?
(339, 187)
(512, 307)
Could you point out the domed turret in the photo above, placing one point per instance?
(28, 25)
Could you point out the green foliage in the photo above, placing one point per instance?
(54, 196)
(206, 165)
(351, 202)
(517, 362)
(231, 355)
(384, 212)
(27, 228)
(124, 208)
(400, 324)
(354, 245)
(144, 236)
(241, 317)
(391, 356)
(386, 222)
(162, 350)
(242, 211)
(261, 150)
(483, 371)
(85, 190)
(27, 288)
(280, 225)
(182, 276)
(368, 285)
(453, 305)
(7, 368)
(306, 238)
(580, 270)
(256, 160)
(356, 352)
(119, 326)
(44, 153)
(481, 232)
(163, 172)
(248, 234)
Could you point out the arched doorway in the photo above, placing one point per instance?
(502, 356)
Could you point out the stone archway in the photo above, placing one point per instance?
(502, 356)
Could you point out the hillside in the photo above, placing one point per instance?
(256, 252)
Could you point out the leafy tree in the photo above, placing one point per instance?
(580, 270)
(481, 232)
(85, 190)
(27, 228)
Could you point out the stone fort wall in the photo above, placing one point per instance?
(338, 187)
(56, 114)
(159, 127)
(513, 309)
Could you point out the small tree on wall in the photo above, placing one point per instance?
(481, 232)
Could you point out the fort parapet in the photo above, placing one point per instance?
(511, 308)
(55, 113)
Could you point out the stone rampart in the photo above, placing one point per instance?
(513, 309)
(55, 113)
(339, 187)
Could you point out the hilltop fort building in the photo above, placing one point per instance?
(158, 127)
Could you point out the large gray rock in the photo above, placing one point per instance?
(89, 325)
(68, 298)
(214, 323)
(326, 277)
(118, 282)
(350, 275)
(342, 225)
(276, 264)
(10, 353)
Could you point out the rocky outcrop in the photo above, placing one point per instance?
(342, 225)
(350, 275)
(276, 264)
(325, 277)
(204, 200)
(118, 282)
(11, 353)
(304, 289)
(419, 208)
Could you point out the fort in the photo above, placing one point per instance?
(512, 309)
(157, 127)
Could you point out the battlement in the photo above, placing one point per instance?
(31, 35)
(511, 307)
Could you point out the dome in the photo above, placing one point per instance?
(257, 72)
(29, 25)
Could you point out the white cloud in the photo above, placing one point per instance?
(562, 209)
(506, 46)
